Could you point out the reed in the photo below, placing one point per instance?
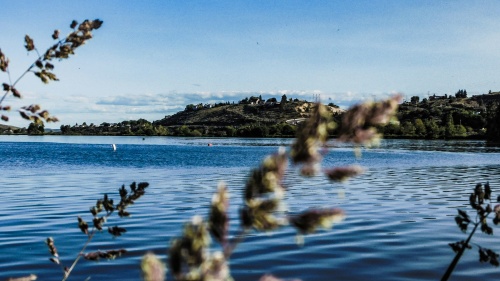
(43, 67)
(189, 257)
(480, 201)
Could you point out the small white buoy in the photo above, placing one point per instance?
(114, 147)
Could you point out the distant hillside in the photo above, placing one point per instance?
(445, 116)
(430, 118)
(7, 128)
(241, 114)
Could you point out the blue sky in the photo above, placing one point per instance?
(151, 58)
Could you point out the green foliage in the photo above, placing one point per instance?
(460, 131)
(230, 131)
(190, 107)
(36, 129)
(433, 129)
(493, 132)
(449, 128)
(408, 129)
(461, 94)
(420, 129)
(392, 129)
(415, 99)
(139, 127)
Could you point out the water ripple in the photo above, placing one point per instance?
(399, 213)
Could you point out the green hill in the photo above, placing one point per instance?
(241, 114)
(432, 118)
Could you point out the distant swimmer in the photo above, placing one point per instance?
(209, 144)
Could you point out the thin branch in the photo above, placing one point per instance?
(453, 263)
(80, 254)
(231, 245)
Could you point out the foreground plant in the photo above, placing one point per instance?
(103, 209)
(43, 67)
(480, 200)
(263, 195)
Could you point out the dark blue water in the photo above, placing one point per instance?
(400, 212)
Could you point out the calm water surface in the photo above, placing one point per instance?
(400, 212)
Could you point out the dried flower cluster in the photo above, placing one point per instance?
(52, 250)
(310, 220)
(263, 194)
(107, 205)
(44, 68)
(189, 258)
(110, 255)
(152, 268)
(359, 124)
(310, 136)
(487, 255)
(219, 219)
(340, 174)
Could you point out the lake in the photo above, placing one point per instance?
(400, 213)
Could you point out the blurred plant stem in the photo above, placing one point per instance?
(80, 254)
(454, 262)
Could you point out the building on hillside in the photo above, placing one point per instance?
(434, 97)
(254, 100)
(487, 98)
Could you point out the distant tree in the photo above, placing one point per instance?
(184, 130)
(161, 130)
(408, 129)
(433, 129)
(195, 133)
(230, 131)
(283, 102)
(392, 129)
(460, 131)
(420, 129)
(190, 107)
(493, 127)
(283, 99)
(461, 94)
(36, 129)
(449, 126)
(288, 130)
(415, 99)
(65, 129)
